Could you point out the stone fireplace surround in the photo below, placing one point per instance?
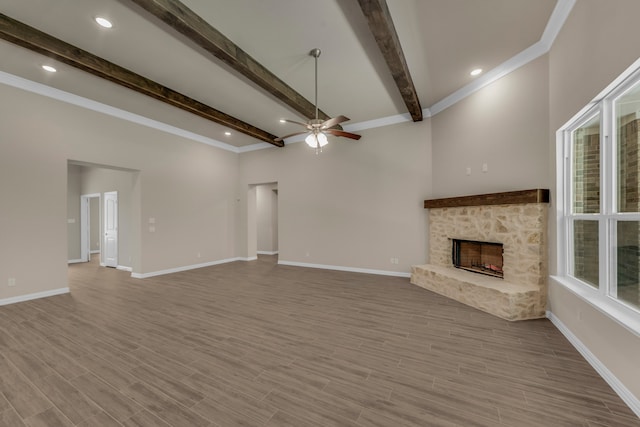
(518, 220)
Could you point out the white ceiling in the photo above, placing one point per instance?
(443, 40)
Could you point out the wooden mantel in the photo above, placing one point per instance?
(507, 198)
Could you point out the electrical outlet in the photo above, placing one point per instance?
(485, 167)
(468, 171)
(198, 255)
(12, 281)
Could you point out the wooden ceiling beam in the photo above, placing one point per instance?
(183, 20)
(383, 30)
(38, 41)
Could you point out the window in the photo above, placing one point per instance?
(599, 225)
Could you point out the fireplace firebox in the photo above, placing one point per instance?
(478, 257)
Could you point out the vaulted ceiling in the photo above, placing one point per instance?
(359, 76)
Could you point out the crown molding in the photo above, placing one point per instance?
(89, 104)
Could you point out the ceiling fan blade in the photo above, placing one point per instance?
(306, 125)
(334, 121)
(290, 135)
(337, 132)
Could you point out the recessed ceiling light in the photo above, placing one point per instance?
(283, 121)
(228, 133)
(476, 71)
(49, 68)
(104, 22)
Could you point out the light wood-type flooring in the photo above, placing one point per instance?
(258, 344)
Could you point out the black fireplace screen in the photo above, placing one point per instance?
(479, 257)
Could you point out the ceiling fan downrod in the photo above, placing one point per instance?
(316, 54)
(317, 129)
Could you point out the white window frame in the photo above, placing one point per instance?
(604, 298)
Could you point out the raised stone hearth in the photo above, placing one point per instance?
(518, 220)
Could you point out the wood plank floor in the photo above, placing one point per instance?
(257, 344)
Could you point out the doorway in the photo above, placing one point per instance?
(88, 186)
(89, 226)
(262, 219)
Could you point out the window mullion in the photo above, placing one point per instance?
(607, 131)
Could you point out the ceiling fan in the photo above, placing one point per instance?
(318, 129)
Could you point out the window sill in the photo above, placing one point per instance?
(625, 316)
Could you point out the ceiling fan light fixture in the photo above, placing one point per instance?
(314, 140)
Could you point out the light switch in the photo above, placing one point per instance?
(71, 220)
(152, 229)
(152, 220)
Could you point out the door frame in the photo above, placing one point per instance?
(85, 224)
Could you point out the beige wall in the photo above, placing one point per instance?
(190, 189)
(357, 204)
(74, 190)
(597, 43)
(504, 125)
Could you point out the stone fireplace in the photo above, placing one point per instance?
(516, 220)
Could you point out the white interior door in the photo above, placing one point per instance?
(110, 247)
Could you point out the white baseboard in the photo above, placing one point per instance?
(632, 401)
(75, 261)
(188, 267)
(123, 268)
(292, 263)
(97, 251)
(267, 252)
(350, 269)
(28, 297)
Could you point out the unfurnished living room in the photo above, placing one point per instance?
(319, 213)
